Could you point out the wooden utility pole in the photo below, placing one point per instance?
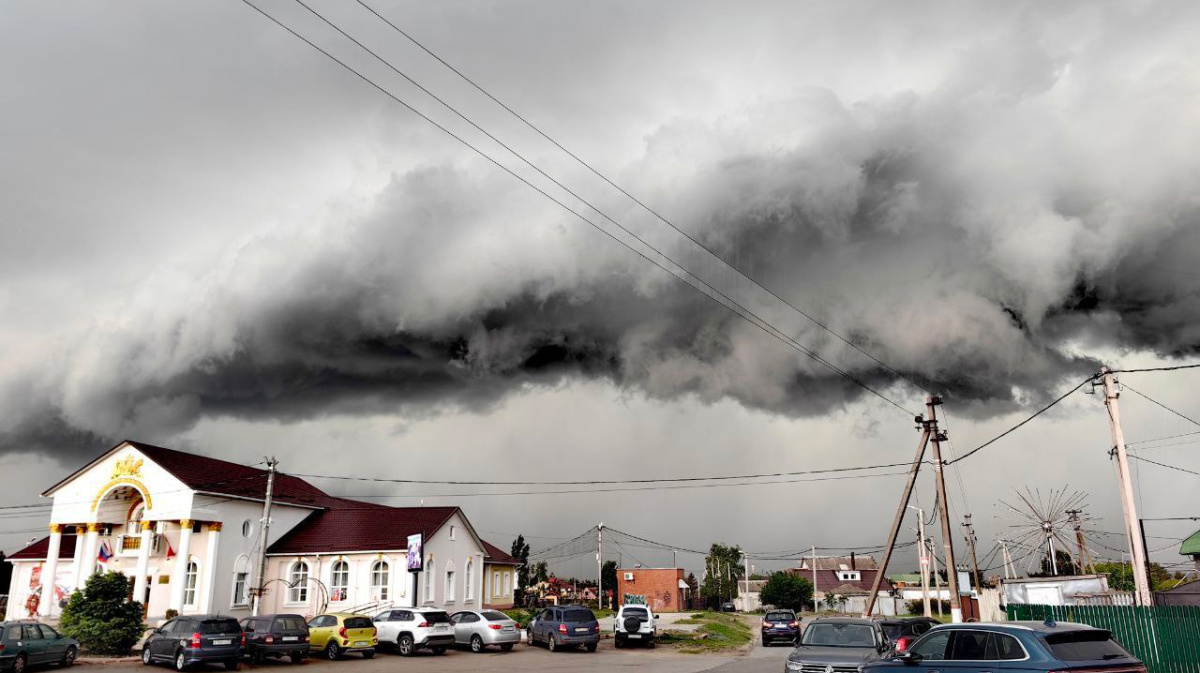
(936, 438)
(971, 547)
(1137, 546)
(925, 429)
(261, 581)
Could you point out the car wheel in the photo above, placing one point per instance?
(439, 651)
(69, 657)
(552, 643)
(368, 654)
(332, 651)
(297, 658)
(650, 643)
(146, 658)
(618, 643)
(19, 664)
(180, 662)
(507, 647)
(405, 645)
(591, 647)
(256, 657)
(476, 644)
(231, 665)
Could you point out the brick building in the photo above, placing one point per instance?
(663, 589)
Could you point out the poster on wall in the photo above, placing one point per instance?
(416, 555)
(63, 580)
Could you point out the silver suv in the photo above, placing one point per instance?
(635, 624)
(412, 629)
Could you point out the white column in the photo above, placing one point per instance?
(87, 560)
(210, 566)
(179, 576)
(76, 566)
(50, 571)
(143, 561)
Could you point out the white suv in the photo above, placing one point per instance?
(635, 623)
(412, 629)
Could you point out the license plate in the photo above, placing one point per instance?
(510, 628)
(222, 642)
(582, 630)
(442, 627)
(290, 638)
(361, 643)
(634, 635)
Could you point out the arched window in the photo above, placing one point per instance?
(379, 581)
(339, 581)
(241, 582)
(189, 583)
(298, 578)
(430, 569)
(134, 525)
(469, 569)
(449, 595)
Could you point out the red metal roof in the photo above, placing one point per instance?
(497, 555)
(358, 526)
(37, 550)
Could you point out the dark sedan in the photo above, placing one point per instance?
(903, 631)
(837, 645)
(780, 626)
(1025, 647)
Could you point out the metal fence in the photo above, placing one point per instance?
(1166, 638)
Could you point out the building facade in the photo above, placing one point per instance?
(663, 589)
(186, 528)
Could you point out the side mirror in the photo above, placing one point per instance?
(908, 658)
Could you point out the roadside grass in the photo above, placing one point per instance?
(718, 632)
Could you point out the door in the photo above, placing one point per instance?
(932, 649)
(56, 645)
(464, 626)
(33, 643)
(158, 638)
(545, 624)
(320, 629)
(972, 651)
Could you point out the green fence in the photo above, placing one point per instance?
(1166, 638)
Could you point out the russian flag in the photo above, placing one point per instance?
(105, 552)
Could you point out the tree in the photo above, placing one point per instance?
(609, 573)
(1120, 576)
(102, 617)
(1066, 565)
(520, 551)
(722, 569)
(787, 590)
(538, 572)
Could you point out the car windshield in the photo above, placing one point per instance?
(636, 612)
(1089, 645)
(219, 626)
(493, 616)
(358, 623)
(894, 629)
(779, 617)
(436, 617)
(839, 635)
(290, 624)
(578, 615)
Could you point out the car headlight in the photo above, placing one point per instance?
(794, 665)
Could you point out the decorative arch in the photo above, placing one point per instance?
(119, 482)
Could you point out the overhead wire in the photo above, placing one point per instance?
(1160, 404)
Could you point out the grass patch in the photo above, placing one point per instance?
(718, 632)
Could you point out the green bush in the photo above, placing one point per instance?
(102, 617)
(787, 591)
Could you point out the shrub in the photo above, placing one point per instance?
(788, 591)
(102, 617)
(917, 606)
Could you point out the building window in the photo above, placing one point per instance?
(449, 585)
(507, 584)
(451, 533)
(240, 595)
(247, 528)
(339, 581)
(189, 583)
(134, 525)
(849, 575)
(469, 590)
(379, 581)
(496, 584)
(298, 579)
(430, 569)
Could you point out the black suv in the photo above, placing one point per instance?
(276, 636)
(196, 639)
(902, 631)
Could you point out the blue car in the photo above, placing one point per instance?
(1026, 647)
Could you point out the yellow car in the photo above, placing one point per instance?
(336, 633)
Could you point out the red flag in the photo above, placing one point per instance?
(170, 550)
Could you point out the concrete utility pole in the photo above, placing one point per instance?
(1084, 560)
(814, 572)
(925, 429)
(260, 583)
(746, 600)
(936, 438)
(1137, 546)
(600, 568)
(937, 578)
(971, 539)
(924, 559)
(1009, 571)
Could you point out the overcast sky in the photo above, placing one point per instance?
(214, 238)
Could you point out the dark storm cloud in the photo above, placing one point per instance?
(978, 235)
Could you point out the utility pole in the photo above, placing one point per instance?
(746, 600)
(814, 571)
(674, 559)
(926, 430)
(1137, 546)
(924, 559)
(1009, 572)
(265, 527)
(1084, 559)
(936, 438)
(971, 547)
(937, 578)
(600, 568)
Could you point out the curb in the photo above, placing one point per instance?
(107, 661)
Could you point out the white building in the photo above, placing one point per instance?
(186, 528)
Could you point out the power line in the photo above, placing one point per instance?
(1170, 467)
(1162, 439)
(1155, 369)
(635, 199)
(1037, 413)
(744, 313)
(1160, 404)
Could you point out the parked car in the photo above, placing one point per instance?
(24, 644)
(565, 626)
(837, 645)
(635, 624)
(482, 628)
(276, 636)
(337, 633)
(1012, 646)
(902, 631)
(780, 625)
(728, 607)
(413, 629)
(196, 639)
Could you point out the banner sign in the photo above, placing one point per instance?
(416, 555)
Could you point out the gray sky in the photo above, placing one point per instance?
(214, 238)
